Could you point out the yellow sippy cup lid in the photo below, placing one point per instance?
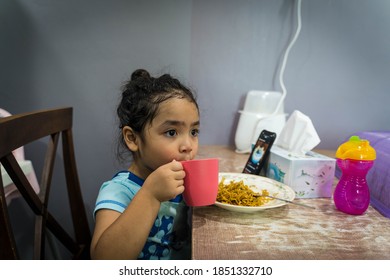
(356, 148)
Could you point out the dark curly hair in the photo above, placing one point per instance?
(141, 97)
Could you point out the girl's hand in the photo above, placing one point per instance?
(166, 182)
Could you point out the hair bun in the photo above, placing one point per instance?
(140, 73)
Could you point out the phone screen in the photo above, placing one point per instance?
(259, 153)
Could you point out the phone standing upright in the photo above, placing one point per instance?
(260, 152)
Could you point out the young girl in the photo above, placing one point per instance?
(140, 212)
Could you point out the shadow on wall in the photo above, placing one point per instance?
(16, 34)
(27, 51)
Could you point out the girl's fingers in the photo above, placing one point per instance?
(176, 165)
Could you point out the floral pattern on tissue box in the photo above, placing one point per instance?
(310, 175)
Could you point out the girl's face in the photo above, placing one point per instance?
(172, 135)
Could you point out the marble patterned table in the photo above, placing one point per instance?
(288, 232)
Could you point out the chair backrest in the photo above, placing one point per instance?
(22, 129)
(19, 152)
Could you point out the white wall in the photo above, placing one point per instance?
(336, 73)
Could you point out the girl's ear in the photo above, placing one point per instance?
(130, 138)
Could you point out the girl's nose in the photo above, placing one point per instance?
(186, 145)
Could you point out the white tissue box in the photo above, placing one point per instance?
(310, 175)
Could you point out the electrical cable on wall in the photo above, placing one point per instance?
(252, 121)
(286, 54)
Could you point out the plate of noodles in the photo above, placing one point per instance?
(242, 192)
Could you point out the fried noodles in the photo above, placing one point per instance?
(237, 193)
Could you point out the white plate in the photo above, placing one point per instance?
(257, 183)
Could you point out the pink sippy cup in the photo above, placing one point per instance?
(355, 158)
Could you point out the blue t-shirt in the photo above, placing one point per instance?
(169, 236)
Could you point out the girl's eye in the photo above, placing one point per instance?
(171, 133)
(195, 132)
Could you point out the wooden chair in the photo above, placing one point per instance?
(22, 129)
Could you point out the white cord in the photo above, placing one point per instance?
(284, 91)
(299, 25)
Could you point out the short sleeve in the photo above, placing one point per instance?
(115, 195)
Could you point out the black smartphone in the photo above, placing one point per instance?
(260, 152)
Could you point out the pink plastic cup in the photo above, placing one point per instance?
(201, 181)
